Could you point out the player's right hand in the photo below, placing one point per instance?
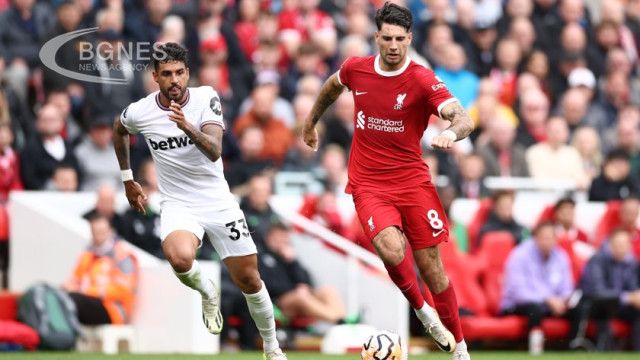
(135, 195)
(310, 135)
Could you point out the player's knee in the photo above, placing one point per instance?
(390, 246)
(180, 262)
(249, 282)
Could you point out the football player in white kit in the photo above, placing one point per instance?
(183, 128)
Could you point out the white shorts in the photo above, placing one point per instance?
(227, 229)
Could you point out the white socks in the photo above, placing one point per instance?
(426, 314)
(261, 310)
(195, 280)
(461, 346)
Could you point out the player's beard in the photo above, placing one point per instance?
(392, 62)
(176, 98)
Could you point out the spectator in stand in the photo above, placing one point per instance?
(9, 165)
(289, 283)
(277, 136)
(24, 27)
(629, 215)
(505, 73)
(610, 286)
(104, 281)
(471, 184)
(564, 217)
(628, 135)
(462, 83)
(143, 230)
(457, 230)
(333, 168)
(340, 127)
(249, 164)
(147, 172)
(537, 280)
(247, 26)
(533, 111)
(73, 129)
(481, 50)
(514, 9)
(501, 218)
(308, 61)
(303, 23)
(618, 60)
(14, 111)
(271, 80)
(537, 64)
(64, 179)
(587, 141)
(46, 151)
(301, 158)
(573, 107)
(439, 37)
(106, 98)
(554, 159)
(583, 79)
(323, 209)
(616, 181)
(524, 33)
(255, 205)
(106, 206)
(615, 96)
(9, 181)
(503, 157)
(95, 156)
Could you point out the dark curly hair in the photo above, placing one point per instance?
(168, 52)
(395, 15)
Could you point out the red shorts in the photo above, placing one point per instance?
(417, 212)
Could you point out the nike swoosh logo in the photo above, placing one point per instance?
(361, 92)
(444, 348)
(434, 234)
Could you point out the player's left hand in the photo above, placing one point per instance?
(442, 142)
(177, 116)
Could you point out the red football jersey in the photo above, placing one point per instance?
(392, 111)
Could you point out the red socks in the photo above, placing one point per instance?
(447, 307)
(405, 279)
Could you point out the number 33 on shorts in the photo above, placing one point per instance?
(435, 222)
(233, 229)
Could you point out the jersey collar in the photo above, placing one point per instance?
(165, 108)
(376, 66)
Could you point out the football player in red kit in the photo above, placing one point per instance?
(390, 183)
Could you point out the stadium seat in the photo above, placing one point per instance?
(547, 214)
(8, 305)
(463, 270)
(609, 220)
(577, 263)
(494, 250)
(108, 336)
(480, 217)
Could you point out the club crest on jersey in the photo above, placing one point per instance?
(400, 101)
(170, 143)
(371, 224)
(215, 105)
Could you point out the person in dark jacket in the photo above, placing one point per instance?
(616, 181)
(46, 151)
(611, 289)
(501, 218)
(289, 282)
(143, 230)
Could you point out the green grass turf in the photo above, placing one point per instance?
(477, 355)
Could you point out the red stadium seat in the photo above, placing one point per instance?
(548, 214)
(480, 217)
(463, 270)
(8, 305)
(608, 221)
(494, 250)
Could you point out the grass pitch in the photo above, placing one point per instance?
(476, 355)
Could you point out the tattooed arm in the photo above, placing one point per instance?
(208, 141)
(135, 195)
(461, 126)
(329, 93)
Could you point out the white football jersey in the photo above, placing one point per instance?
(185, 174)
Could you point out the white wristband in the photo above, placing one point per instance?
(127, 175)
(450, 134)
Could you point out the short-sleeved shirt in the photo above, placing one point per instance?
(185, 175)
(392, 111)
